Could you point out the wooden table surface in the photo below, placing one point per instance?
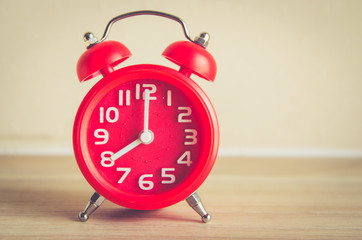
(249, 198)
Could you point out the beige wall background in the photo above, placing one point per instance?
(289, 72)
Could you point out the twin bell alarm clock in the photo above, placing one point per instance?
(145, 136)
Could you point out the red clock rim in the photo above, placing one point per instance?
(134, 201)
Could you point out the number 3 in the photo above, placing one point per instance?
(192, 137)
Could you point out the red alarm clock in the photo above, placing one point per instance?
(146, 136)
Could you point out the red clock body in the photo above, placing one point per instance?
(182, 149)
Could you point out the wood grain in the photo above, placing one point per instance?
(249, 198)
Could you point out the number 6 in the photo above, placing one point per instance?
(145, 184)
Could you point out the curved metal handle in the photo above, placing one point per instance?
(137, 13)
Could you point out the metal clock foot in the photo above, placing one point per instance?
(94, 202)
(195, 202)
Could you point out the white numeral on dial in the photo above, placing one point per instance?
(102, 134)
(191, 137)
(151, 87)
(111, 114)
(121, 99)
(126, 172)
(183, 116)
(106, 159)
(169, 98)
(145, 184)
(185, 159)
(171, 177)
(137, 91)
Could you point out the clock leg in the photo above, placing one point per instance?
(94, 202)
(195, 202)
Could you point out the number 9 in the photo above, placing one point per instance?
(101, 133)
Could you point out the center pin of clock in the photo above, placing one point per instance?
(146, 137)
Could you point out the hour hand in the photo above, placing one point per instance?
(126, 149)
(145, 138)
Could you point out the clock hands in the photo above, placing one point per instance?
(145, 137)
(126, 149)
(146, 110)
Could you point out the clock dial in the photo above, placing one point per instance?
(118, 121)
(146, 138)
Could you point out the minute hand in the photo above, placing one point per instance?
(146, 111)
(146, 135)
